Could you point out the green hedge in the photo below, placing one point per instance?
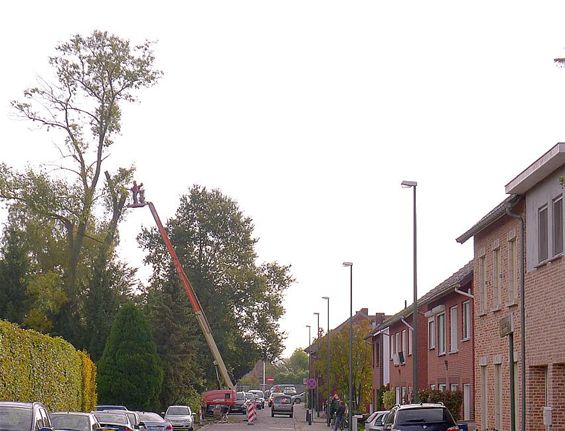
(35, 367)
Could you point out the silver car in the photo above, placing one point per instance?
(180, 418)
(282, 405)
(375, 421)
(154, 422)
(75, 420)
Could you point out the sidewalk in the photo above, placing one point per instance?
(300, 424)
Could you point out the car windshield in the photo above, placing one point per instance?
(70, 422)
(178, 411)
(423, 415)
(15, 418)
(150, 417)
(111, 418)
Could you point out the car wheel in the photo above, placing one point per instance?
(291, 415)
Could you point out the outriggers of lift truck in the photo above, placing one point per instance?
(223, 397)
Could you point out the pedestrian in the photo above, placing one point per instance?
(136, 190)
(339, 414)
(334, 404)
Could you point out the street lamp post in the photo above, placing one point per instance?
(350, 265)
(413, 184)
(308, 412)
(317, 391)
(329, 359)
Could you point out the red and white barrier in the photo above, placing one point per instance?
(251, 413)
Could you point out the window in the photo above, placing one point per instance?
(454, 387)
(397, 342)
(467, 402)
(496, 275)
(466, 320)
(483, 397)
(391, 346)
(512, 271)
(482, 285)
(410, 342)
(404, 346)
(441, 333)
(542, 234)
(497, 396)
(443, 387)
(377, 354)
(453, 329)
(431, 334)
(433, 387)
(557, 230)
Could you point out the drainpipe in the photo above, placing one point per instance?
(522, 313)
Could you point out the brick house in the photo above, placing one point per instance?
(449, 330)
(536, 195)
(445, 343)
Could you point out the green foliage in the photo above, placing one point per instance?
(453, 400)
(339, 364)
(130, 371)
(293, 369)
(14, 268)
(389, 399)
(35, 367)
(242, 301)
(380, 394)
(191, 399)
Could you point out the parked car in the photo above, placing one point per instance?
(416, 417)
(289, 390)
(154, 422)
(282, 405)
(180, 418)
(133, 418)
(106, 407)
(298, 398)
(16, 416)
(240, 405)
(115, 419)
(375, 421)
(260, 397)
(76, 421)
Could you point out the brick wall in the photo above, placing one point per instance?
(490, 348)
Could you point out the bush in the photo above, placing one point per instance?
(130, 371)
(453, 400)
(389, 399)
(35, 367)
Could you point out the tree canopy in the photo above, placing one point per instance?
(242, 299)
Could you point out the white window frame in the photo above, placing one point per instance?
(442, 387)
(483, 397)
(482, 285)
(496, 278)
(512, 271)
(409, 342)
(466, 320)
(441, 332)
(431, 333)
(543, 248)
(391, 337)
(498, 411)
(556, 227)
(397, 342)
(453, 338)
(453, 387)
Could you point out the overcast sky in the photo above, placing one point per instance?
(309, 114)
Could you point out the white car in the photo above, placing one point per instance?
(180, 417)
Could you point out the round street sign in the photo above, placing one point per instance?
(311, 383)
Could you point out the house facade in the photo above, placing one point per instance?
(534, 210)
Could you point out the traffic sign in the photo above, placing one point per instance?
(311, 383)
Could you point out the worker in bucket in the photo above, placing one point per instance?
(138, 193)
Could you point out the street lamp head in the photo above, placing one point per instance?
(407, 184)
(326, 297)
(347, 264)
(308, 326)
(316, 314)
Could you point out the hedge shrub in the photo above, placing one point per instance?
(453, 400)
(35, 367)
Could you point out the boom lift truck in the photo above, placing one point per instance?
(219, 397)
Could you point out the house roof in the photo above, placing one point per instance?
(458, 278)
(493, 215)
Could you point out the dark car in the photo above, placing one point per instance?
(15, 416)
(240, 404)
(75, 421)
(417, 417)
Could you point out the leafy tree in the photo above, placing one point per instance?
(93, 77)
(339, 365)
(242, 300)
(14, 267)
(293, 369)
(130, 371)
